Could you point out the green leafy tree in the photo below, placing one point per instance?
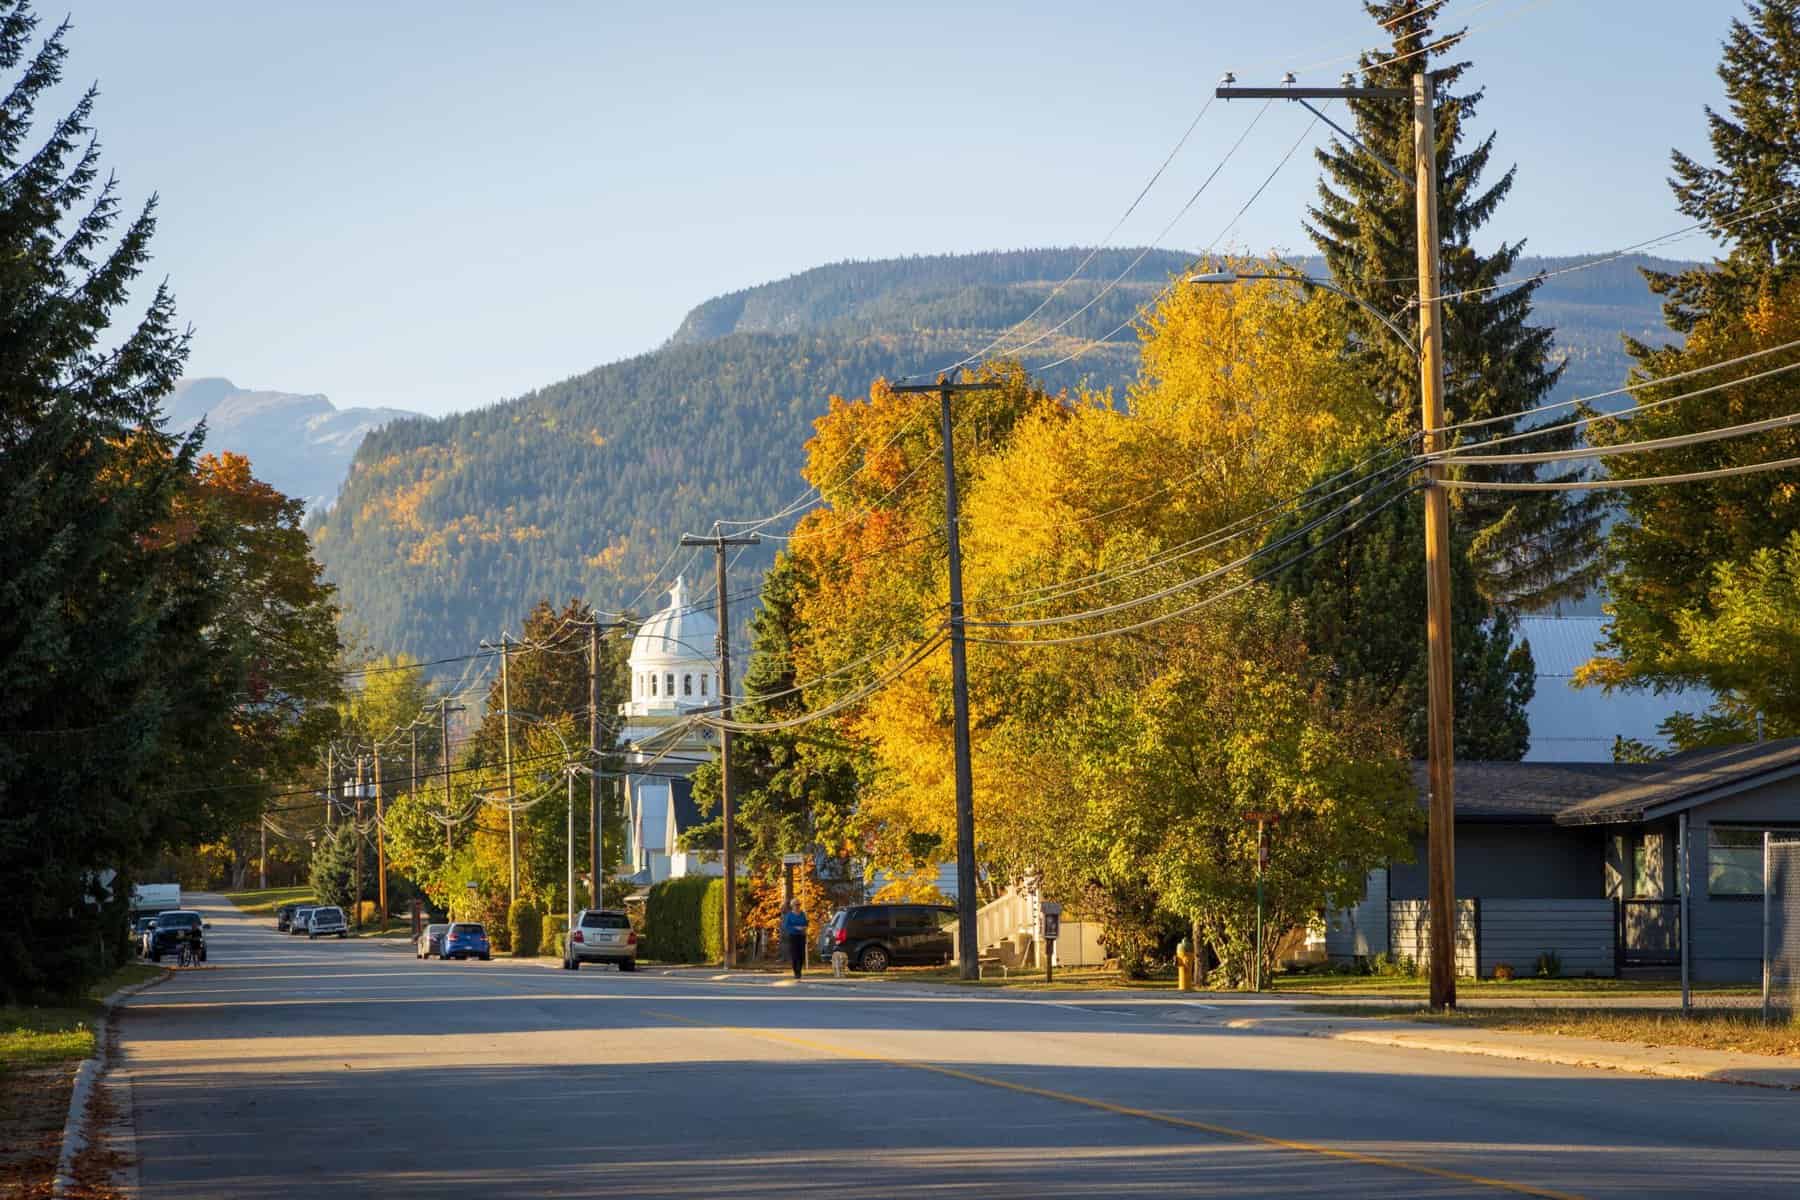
(333, 871)
(1529, 548)
(1358, 595)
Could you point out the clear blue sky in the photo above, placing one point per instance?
(435, 206)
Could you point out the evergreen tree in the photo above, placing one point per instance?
(796, 787)
(105, 671)
(1528, 548)
(1360, 602)
(1675, 552)
(1747, 200)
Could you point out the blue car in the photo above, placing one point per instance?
(467, 939)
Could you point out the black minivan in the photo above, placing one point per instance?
(877, 936)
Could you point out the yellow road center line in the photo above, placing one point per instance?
(1244, 1135)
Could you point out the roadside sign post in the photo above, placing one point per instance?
(1049, 928)
(788, 863)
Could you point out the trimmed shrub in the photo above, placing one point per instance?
(554, 936)
(683, 919)
(712, 918)
(525, 925)
(1503, 971)
(672, 920)
(1549, 964)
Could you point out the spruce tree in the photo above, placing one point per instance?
(1530, 548)
(1748, 200)
(1358, 598)
(1675, 550)
(105, 678)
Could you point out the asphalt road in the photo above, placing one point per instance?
(288, 1068)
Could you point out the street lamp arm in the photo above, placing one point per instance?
(1323, 284)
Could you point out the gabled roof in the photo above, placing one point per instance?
(1531, 791)
(1613, 793)
(687, 814)
(1685, 780)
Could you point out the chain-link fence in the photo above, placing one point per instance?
(1781, 928)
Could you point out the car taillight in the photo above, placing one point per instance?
(838, 937)
(576, 937)
(631, 938)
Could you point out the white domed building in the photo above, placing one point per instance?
(673, 674)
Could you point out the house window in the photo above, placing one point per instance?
(687, 685)
(653, 685)
(703, 680)
(669, 682)
(1734, 861)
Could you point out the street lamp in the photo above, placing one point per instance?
(1230, 277)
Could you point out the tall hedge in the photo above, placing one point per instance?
(526, 925)
(682, 919)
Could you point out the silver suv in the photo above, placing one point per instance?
(329, 919)
(601, 935)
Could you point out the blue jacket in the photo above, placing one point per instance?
(792, 923)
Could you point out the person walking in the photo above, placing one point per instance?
(793, 929)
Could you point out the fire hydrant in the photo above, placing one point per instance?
(1184, 966)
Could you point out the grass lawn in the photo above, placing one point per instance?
(1742, 1031)
(35, 1037)
(1408, 987)
(263, 903)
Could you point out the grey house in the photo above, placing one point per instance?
(1617, 868)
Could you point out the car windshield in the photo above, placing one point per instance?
(328, 913)
(178, 921)
(466, 931)
(436, 928)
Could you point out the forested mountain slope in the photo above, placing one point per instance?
(447, 529)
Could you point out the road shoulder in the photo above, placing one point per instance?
(1672, 1062)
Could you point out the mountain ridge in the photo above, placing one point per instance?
(447, 528)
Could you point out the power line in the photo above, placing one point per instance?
(1072, 639)
(1582, 485)
(1091, 254)
(1142, 309)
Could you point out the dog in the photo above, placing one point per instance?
(840, 964)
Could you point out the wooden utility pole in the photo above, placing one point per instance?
(727, 788)
(512, 828)
(356, 841)
(1441, 759)
(1440, 840)
(444, 710)
(594, 855)
(968, 954)
(380, 844)
(331, 796)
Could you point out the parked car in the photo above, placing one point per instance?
(601, 935)
(174, 928)
(325, 920)
(301, 916)
(877, 936)
(467, 939)
(284, 917)
(430, 942)
(140, 930)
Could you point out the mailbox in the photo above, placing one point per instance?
(1049, 920)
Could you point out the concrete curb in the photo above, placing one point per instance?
(1584, 1056)
(87, 1078)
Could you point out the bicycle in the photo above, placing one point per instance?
(189, 957)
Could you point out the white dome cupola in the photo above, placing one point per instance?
(671, 661)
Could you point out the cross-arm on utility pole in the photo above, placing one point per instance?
(1441, 753)
(968, 954)
(727, 789)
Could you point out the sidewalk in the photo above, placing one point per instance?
(1673, 1062)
